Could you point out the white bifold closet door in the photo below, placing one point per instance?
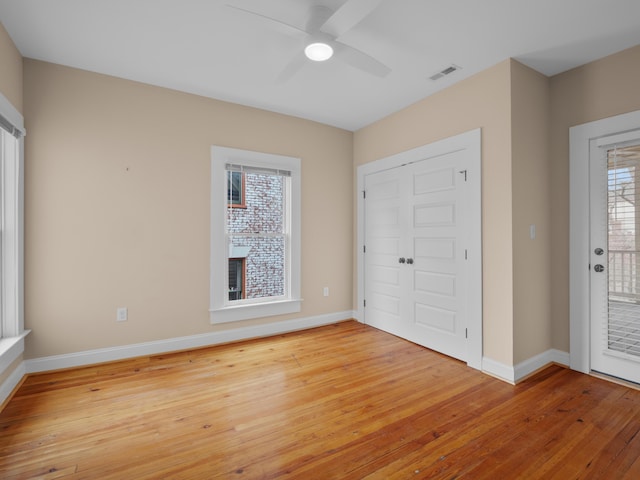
(415, 256)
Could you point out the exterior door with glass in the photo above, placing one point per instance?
(615, 256)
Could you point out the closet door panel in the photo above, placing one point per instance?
(385, 222)
(434, 234)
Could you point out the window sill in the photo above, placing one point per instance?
(256, 310)
(10, 349)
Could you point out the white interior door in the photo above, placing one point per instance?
(615, 256)
(437, 282)
(385, 231)
(415, 261)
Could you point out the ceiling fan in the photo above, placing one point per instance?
(322, 35)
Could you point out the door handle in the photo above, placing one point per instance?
(401, 260)
(598, 251)
(410, 261)
(598, 268)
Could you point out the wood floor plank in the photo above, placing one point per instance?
(344, 401)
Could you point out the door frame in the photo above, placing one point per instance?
(581, 140)
(470, 141)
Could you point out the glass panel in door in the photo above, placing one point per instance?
(622, 331)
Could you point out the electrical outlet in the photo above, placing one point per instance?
(325, 291)
(121, 314)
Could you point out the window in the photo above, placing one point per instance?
(11, 195)
(255, 235)
(237, 270)
(236, 190)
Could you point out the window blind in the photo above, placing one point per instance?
(9, 127)
(622, 333)
(257, 170)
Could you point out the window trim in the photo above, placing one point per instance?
(12, 331)
(219, 309)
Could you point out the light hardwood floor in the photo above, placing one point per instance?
(344, 401)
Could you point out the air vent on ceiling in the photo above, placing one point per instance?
(444, 72)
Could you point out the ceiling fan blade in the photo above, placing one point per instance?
(362, 61)
(348, 16)
(293, 67)
(285, 28)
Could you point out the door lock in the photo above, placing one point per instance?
(598, 268)
(401, 260)
(410, 261)
(598, 251)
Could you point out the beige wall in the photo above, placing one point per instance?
(117, 207)
(531, 206)
(10, 70)
(601, 89)
(480, 101)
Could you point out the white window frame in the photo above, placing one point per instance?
(220, 309)
(12, 331)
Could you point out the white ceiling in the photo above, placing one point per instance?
(208, 48)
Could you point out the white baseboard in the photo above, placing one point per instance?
(532, 364)
(90, 357)
(516, 373)
(498, 370)
(10, 349)
(12, 381)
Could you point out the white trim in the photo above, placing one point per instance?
(10, 264)
(560, 357)
(11, 113)
(102, 355)
(523, 369)
(498, 370)
(580, 139)
(10, 349)
(470, 141)
(541, 360)
(12, 381)
(12, 252)
(219, 309)
(259, 310)
(617, 139)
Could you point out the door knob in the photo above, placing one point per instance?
(409, 261)
(401, 260)
(598, 251)
(598, 268)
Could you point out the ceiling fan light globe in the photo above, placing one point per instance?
(318, 51)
